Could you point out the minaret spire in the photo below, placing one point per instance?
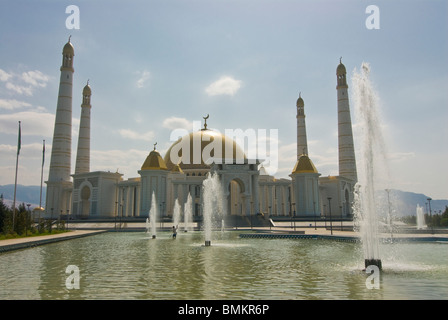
(347, 161)
(305, 190)
(302, 144)
(59, 179)
(83, 152)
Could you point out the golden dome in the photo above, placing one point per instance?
(304, 165)
(300, 102)
(209, 141)
(68, 49)
(87, 91)
(176, 168)
(340, 69)
(154, 161)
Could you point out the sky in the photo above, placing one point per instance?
(158, 66)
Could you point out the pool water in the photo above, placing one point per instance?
(131, 265)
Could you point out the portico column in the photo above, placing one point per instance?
(255, 190)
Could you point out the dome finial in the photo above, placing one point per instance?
(340, 59)
(88, 81)
(155, 146)
(205, 122)
(69, 38)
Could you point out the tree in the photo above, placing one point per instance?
(444, 220)
(5, 217)
(3, 213)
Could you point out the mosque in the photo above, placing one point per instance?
(248, 189)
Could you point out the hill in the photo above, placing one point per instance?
(25, 194)
(405, 203)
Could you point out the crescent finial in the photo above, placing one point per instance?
(205, 122)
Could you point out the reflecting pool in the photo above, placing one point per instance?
(131, 265)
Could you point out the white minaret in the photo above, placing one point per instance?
(83, 152)
(305, 183)
(347, 161)
(59, 181)
(302, 144)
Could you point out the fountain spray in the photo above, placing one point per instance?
(373, 164)
(188, 214)
(176, 213)
(420, 218)
(153, 215)
(212, 203)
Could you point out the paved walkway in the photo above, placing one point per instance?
(28, 242)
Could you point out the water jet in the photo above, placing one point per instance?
(153, 215)
(420, 218)
(188, 213)
(176, 213)
(212, 203)
(373, 164)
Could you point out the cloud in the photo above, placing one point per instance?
(33, 123)
(27, 91)
(177, 123)
(24, 83)
(12, 104)
(127, 162)
(143, 78)
(30, 150)
(35, 78)
(129, 134)
(4, 76)
(224, 86)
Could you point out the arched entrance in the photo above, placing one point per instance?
(236, 205)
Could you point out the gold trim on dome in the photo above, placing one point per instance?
(304, 165)
(154, 161)
(197, 142)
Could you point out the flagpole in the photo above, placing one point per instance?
(42, 175)
(19, 143)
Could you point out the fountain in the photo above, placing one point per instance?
(420, 218)
(373, 164)
(212, 203)
(188, 213)
(176, 213)
(147, 225)
(153, 215)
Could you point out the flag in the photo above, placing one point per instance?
(19, 142)
(43, 154)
